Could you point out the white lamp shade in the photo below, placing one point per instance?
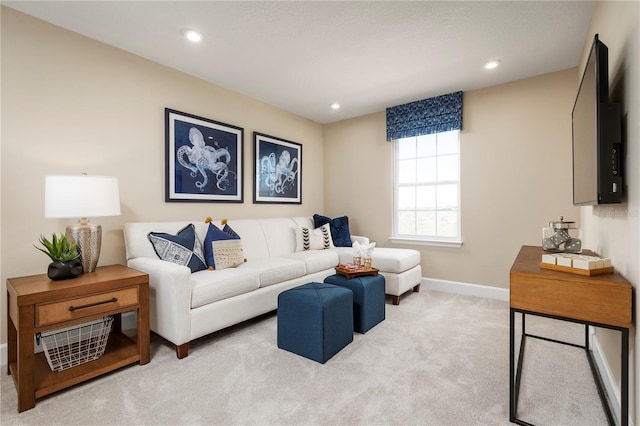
(81, 196)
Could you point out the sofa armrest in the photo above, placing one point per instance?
(169, 298)
(360, 239)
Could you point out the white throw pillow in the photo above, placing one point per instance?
(227, 253)
(314, 239)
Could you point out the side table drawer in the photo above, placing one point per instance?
(56, 312)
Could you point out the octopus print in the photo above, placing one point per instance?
(202, 160)
(280, 175)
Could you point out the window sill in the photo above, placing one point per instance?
(425, 242)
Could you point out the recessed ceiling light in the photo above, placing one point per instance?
(193, 36)
(335, 106)
(492, 64)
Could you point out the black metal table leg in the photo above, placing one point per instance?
(512, 408)
(624, 367)
(515, 369)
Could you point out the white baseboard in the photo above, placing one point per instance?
(611, 388)
(3, 354)
(467, 289)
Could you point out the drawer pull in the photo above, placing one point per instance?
(112, 300)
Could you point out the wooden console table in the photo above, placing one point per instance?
(36, 304)
(600, 301)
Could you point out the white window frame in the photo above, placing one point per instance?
(430, 240)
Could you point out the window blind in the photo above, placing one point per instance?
(438, 114)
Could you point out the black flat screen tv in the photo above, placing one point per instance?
(596, 130)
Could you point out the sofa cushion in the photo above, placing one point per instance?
(209, 286)
(222, 248)
(345, 254)
(339, 229)
(279, 234)
(275, 270)
(183, 248)
(314, 239)
(254, 240)
(317, 260)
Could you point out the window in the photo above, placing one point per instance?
(427, 189)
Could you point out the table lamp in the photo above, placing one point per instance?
(82, 196)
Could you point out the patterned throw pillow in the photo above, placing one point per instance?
(182, 248)
(339, 229)
(227, 230)
(222, 248)
(314, 239)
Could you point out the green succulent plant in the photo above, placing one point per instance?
(59, 248)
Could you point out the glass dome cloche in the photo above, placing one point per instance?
(560, 237)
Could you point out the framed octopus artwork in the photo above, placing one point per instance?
(278, 170)
(204, 159)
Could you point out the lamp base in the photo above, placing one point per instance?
(88, 237)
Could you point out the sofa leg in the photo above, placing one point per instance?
(182, 350)
(396, 299)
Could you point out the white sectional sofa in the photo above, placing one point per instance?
(185, 305)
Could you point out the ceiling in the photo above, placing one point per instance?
(303, 56)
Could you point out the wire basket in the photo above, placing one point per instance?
(71, 346)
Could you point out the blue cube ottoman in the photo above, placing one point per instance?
(315, 320)
(368, 299)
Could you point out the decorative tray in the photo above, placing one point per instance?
(355, 271)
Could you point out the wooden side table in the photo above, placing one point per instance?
(601, 300)
(36, 304)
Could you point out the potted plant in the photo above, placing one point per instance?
(64, 255)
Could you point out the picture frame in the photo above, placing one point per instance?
(277, 170)
(203, 159)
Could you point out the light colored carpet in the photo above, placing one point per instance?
(437, 359)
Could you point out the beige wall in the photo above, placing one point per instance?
(358, 175)
(614, 230)
(515, 176)
(72, 105)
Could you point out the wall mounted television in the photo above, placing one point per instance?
(597, 135)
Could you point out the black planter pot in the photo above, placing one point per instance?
(59, 270)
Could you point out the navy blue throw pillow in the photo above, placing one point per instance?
(183, 248)
(339, 229)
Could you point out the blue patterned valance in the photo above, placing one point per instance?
(433, 115)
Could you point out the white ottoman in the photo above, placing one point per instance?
(400, 268)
